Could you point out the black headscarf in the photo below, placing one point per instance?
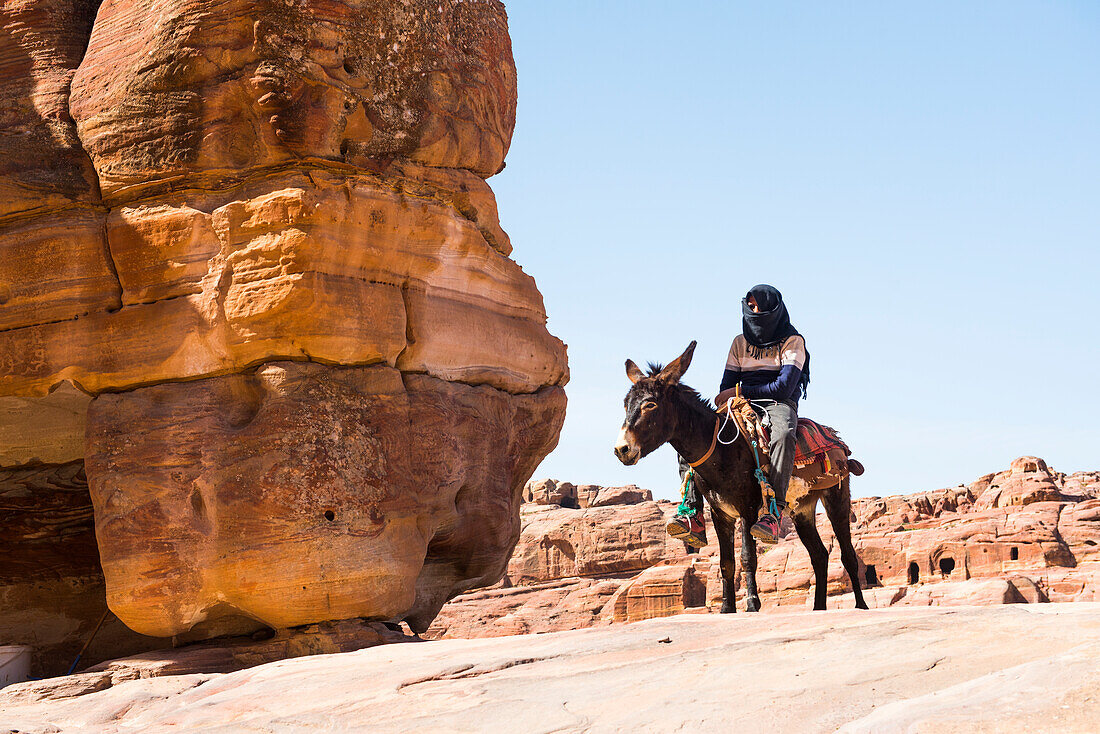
(771, 326)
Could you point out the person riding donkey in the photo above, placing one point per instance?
(769, 365)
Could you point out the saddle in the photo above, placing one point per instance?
(821, 456)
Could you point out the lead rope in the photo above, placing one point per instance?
(736, 425)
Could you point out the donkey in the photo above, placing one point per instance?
(660, 409)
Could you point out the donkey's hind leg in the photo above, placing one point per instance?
(838, 506)
(806, 526)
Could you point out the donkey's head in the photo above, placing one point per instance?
(651, 414)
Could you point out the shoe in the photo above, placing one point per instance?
(766, 529)
(691, 530)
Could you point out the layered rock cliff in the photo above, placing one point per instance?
(254, 279)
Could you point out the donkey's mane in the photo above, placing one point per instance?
(691, 396)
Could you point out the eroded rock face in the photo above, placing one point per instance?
(306, 492)
(260, 268)
(248, 85)
(54, 264)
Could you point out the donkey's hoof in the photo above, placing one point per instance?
(752, 605)
(861, 605)
(727, 609)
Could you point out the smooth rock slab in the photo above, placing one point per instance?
(1007, 669)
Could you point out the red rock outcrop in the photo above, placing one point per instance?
(250, 253)
(1028, 480)
(661, 591)
(946, 547)
(559, 542)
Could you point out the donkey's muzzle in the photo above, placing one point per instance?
(627, 454)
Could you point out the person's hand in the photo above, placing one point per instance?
(722, 397)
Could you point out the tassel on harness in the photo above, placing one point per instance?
(686, 509)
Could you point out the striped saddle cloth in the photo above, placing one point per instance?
(814, 440)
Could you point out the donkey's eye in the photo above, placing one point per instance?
(648, 406)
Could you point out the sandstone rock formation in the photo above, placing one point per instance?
(947, 548)
(252, 273)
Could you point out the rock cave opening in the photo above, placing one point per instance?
(870, 576)
(1014, 554)
(914, 573)
(947, 565)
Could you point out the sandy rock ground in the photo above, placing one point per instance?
(995, 669)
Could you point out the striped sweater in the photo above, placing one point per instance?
(770, 373)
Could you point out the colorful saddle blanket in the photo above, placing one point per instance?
(814, 440)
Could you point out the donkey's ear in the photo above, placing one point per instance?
(632, 371)
(677, 367)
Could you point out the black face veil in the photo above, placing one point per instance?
(772, 325)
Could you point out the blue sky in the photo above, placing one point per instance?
(921, 180)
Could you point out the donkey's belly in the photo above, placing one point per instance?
(723, 505)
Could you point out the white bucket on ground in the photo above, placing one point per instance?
(15, 664)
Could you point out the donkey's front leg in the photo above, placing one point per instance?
(748, 564)
(727, 561)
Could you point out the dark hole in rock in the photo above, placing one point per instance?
(1014, 554)
(870, 576)
(330, 515)
(914, 573)
(947, 565)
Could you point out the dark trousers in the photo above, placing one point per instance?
(784, 427)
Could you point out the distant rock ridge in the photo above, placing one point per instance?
(1028, 534)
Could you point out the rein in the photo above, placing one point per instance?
(710, 451)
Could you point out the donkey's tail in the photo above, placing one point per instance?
(855, 468)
